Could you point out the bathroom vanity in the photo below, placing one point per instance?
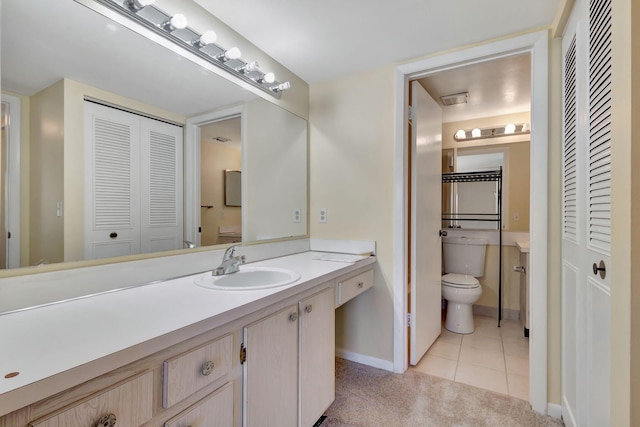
(172, 353)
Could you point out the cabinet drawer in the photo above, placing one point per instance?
(189, 372)
(214, 410)
(130, 403)
(353, 286)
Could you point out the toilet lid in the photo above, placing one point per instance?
(460, 280)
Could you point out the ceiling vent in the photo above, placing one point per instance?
(221, 139)
(456, 98)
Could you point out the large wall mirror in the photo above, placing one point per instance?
(56, 55)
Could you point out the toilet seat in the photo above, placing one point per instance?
(461, 281)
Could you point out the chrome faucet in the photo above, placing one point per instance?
(230, 264)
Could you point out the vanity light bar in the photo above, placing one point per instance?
(493, 132)
(201, 45)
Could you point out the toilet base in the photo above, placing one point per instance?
(459, 318)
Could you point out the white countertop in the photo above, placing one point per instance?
(62, 345)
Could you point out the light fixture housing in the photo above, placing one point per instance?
(492, 132)
(136, 5)
(203, 46)
(454, 99)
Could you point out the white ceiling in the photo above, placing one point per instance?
(497, 87)
(320, 40)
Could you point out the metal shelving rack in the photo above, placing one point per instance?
(483, 176)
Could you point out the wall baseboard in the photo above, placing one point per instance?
(554, 410)
(374, 362)
(507, 313)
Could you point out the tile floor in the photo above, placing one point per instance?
(491, 358)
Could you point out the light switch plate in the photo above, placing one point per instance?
(297, 215)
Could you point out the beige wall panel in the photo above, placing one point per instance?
(351, 174)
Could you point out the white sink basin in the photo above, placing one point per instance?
(248, 278)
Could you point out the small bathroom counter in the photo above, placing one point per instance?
(523, 246)
(58, 346)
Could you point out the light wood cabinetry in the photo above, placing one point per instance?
(289, 373)
(216, 410)
(189, 372)
(128, 404)
(271, 370)
(352, 286)
(287, 378)
(317, 355)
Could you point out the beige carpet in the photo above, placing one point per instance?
(367, 397)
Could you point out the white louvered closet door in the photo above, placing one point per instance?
(112, 184)
(161, 196)
(586, 216)
(133, 191)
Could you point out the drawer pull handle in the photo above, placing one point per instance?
(207, 368)
(293, 317)
(108, 420)
(308, 308)
(360, 285)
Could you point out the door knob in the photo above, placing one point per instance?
(602, 268)
(443, 233)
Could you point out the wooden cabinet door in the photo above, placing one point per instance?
(271, 370)
(317, 356)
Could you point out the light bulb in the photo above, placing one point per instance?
(249, 67)
(233, 53)
(510, 128)
(269, 78)
(461, 134)
(281, 87)
(476, 133)
(208, 38)
(177, 22)
(526, 127)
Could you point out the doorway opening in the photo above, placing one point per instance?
(536, 45)
(220, 182)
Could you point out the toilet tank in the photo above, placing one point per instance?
(464, 255)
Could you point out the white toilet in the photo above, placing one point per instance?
(463, 262)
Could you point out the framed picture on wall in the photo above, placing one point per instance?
(232, 187)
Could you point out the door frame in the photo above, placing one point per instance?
(12, 192)
(192, 168)
(537, 45)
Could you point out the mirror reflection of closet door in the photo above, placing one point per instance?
(133, 185)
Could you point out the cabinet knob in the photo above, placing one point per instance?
(360, 285)
(207, 368)
(113, 234)
(108, 420)
(293, 317)
(308, 309)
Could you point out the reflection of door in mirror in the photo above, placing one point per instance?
(479, 197)
(220, 151)
(10, 183)
(133, 175)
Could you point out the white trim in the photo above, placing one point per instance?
(192, 168)
(554, 410)
(537, 45)
(12, 193)
(374, 362)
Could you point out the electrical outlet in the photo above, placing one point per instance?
(323, 215)
(297, 215)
